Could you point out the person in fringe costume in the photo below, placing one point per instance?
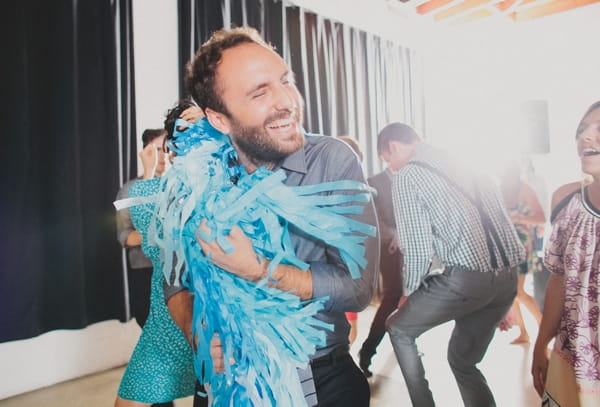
(269, 236)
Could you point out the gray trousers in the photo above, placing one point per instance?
(477, 302)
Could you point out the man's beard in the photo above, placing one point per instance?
(260, 148)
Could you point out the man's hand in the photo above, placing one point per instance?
(216, 353)
(245, 263)
(242, 261)
(393, 246)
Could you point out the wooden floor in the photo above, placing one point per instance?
(505, 366)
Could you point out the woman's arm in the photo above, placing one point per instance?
(553, 309)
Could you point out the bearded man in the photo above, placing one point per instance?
(247, 91)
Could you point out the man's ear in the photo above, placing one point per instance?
(218, 120)
(395, 146)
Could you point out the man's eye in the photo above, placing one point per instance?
(258, 95)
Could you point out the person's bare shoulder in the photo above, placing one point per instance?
(563, 192)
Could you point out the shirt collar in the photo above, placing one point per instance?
(296, 161)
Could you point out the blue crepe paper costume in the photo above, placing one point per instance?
(161, 366)
(269, 333)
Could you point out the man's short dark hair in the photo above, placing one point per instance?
(395, 132)
(200, 75)
(150, 134)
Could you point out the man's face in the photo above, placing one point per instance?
(264, 106)
(397, 155)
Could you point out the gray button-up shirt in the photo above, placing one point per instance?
(324, 159)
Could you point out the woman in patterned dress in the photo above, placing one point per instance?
(161, 367)
(570, 376)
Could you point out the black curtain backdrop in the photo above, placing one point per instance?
(354, 83)
(60, 262)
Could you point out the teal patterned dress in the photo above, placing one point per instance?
(161, 366)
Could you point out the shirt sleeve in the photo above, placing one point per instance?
(331, 278)
(124, 225)
(413, 225)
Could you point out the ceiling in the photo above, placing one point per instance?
(466, 11)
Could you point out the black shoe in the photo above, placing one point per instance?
(364, 362)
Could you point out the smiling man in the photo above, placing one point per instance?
(248, 92)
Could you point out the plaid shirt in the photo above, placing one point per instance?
(434, 217)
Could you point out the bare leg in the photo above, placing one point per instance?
(528, 300)
(523, 335)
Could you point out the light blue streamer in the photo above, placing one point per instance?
(269, 333)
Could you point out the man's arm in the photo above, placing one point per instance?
(552, 314)
(245, 263)
(327, 278)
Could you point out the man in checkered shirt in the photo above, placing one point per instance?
(445, 212)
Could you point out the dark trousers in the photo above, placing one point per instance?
(338, 384)
(476, 301)
(390, 267)
(200, 401)
(139, 293)
(341, 384)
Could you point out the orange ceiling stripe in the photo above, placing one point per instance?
(475, 15)
(431, 5)
(550, 8)
(505, 5)
(459, 8)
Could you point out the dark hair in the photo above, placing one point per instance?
(150, 134)
(593, 107)
(200, 75)
(174, 113)
(395, 132)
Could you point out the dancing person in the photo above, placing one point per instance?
(161, 367)
(444, 211)
(570, 376)
(139, 266)
(247, 91)
(390, 257)
(526, 214)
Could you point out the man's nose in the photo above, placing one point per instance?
(284, 98)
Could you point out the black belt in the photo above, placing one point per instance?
(332, 357)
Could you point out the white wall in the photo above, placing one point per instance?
(156, 57)
(65, 354)
(476, 83)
